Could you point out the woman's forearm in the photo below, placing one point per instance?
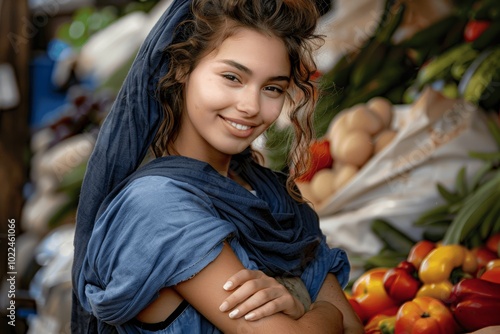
(332, 292)
(323, 317)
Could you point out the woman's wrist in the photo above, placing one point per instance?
(298, 290)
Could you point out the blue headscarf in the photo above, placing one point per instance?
(124, 138)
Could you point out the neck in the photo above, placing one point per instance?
(220, 162)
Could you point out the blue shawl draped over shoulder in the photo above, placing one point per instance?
(165, 233)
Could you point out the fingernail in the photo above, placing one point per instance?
(250, 316)
(228, 285)
(234, 313)
(224, 306)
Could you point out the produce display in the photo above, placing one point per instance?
(438, 288)
(446, 281)
(449, 281)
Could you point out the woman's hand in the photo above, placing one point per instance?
(257, 295)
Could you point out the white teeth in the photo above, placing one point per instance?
(239, 126)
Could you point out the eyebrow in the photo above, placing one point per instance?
(245, 69)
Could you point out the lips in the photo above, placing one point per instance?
(239, 126)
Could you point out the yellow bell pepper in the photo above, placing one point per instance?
(470, 264)
(441, 290)
(436, 268)
(439, 263)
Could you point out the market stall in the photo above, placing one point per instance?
(406, 160)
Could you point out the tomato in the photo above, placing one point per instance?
(474, 29)
(425, 315)
(320, 158)
(419, 251)
(369, 292)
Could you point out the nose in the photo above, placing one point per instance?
(249, 101)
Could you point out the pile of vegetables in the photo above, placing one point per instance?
(438, 288)
(354, 136)
(449, 281)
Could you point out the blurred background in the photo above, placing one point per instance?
(62, 63)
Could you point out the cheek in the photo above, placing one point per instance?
(272, 110)
(207, 96)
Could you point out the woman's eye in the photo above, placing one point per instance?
(274, 89)
(230, 77)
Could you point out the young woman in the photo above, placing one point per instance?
(197, 240)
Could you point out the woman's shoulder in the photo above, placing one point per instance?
(155, 191)
(153, 185)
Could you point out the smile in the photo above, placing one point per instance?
(239, 126)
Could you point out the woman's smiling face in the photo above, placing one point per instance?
(232, 96)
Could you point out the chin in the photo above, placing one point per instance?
(233, 151)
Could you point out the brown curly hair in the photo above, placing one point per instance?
(212, 21)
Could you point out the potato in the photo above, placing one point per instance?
(361, 118)
(306, 191)
(337, 130)
(384, 139)
(382, 107)
(355, 149)
(321, 184)
(343, 174)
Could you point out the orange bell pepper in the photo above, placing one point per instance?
(369, 292)
(424, 315)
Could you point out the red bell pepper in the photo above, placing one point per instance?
(473, 288)
(475, 313)
(475, 303)
(474, 29)
(320, 158)
(401, 283)
(483, 255)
